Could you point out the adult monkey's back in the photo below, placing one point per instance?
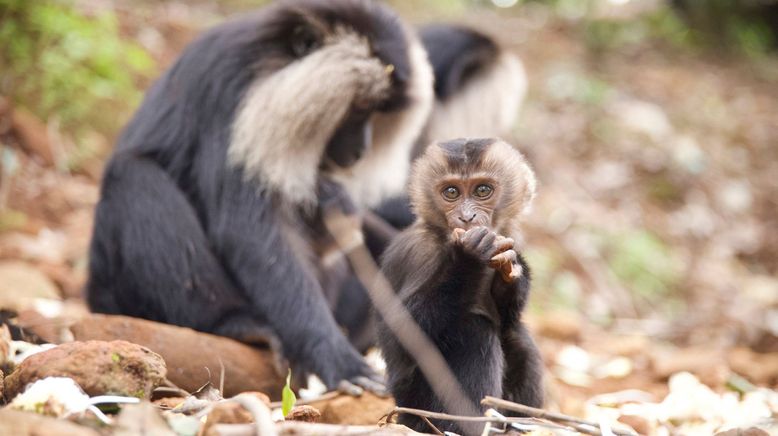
(206, 209)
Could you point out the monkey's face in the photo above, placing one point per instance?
(463, 183)
(467, 202)
(351, 140)
(357, 59)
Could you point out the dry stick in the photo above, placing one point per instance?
(302, 402)
(432, 426)
(263, 422)
(551, 416)
(346, 232)
(492, 419)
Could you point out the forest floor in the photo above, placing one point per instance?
(653, 242)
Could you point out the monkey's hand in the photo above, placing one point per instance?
(480, 243)
(490, 248)
(507, 263)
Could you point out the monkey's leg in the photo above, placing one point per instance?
(523, 381)
(473, 353)
(150, 257)
(354, 313)
(468, 341)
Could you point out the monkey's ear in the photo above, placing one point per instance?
(530, 186)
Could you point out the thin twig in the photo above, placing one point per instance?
(323, 397)
(430, 361)
(221, 376)
(488, 419)
(171, 387)
(263, 422)
(431, 425)
(551, 416)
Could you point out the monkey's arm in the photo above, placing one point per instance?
(262, 259)
(523, 366)
(510, 298)
(437, 281)
(440, 284)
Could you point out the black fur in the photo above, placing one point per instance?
(488, 356)
(462, 304)
(184, 238)
(456, 53)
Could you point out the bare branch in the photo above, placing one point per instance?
(347, 233)
(579, 424)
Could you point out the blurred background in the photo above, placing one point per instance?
(652, 126)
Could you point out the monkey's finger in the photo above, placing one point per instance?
(487, 242)
(371, 385)
(457, 235)
(512, 272)
(350, 388)
(503, 258)
(502, 244)
(474, 236)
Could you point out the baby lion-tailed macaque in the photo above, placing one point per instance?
(458, 273)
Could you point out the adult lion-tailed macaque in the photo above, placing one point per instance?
(209, 215)
(457, 271)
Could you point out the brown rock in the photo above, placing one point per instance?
(260, 396)
(367, 409)
(751, 431)
(190, 355)
(5, 344)
(33, 135)
(561, 325)
(141, 419)
(168, 402)
(230, 413)
(759, 368)
(307, 428)
(706, 363)
(13, 422)
(227, 413)
(21, 284)
(304, 413)
(2, 384)
(638, 423)
(99, 367)
(50, 330)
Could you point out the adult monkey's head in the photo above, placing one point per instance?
(340, 86)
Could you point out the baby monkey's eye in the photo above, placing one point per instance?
(451, 193)
(483, 191)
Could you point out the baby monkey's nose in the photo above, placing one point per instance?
(467, 220)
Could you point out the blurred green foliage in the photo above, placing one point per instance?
(663, 24)
(59, 61)
(748, 26)
(714, 24)
(643, 263)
